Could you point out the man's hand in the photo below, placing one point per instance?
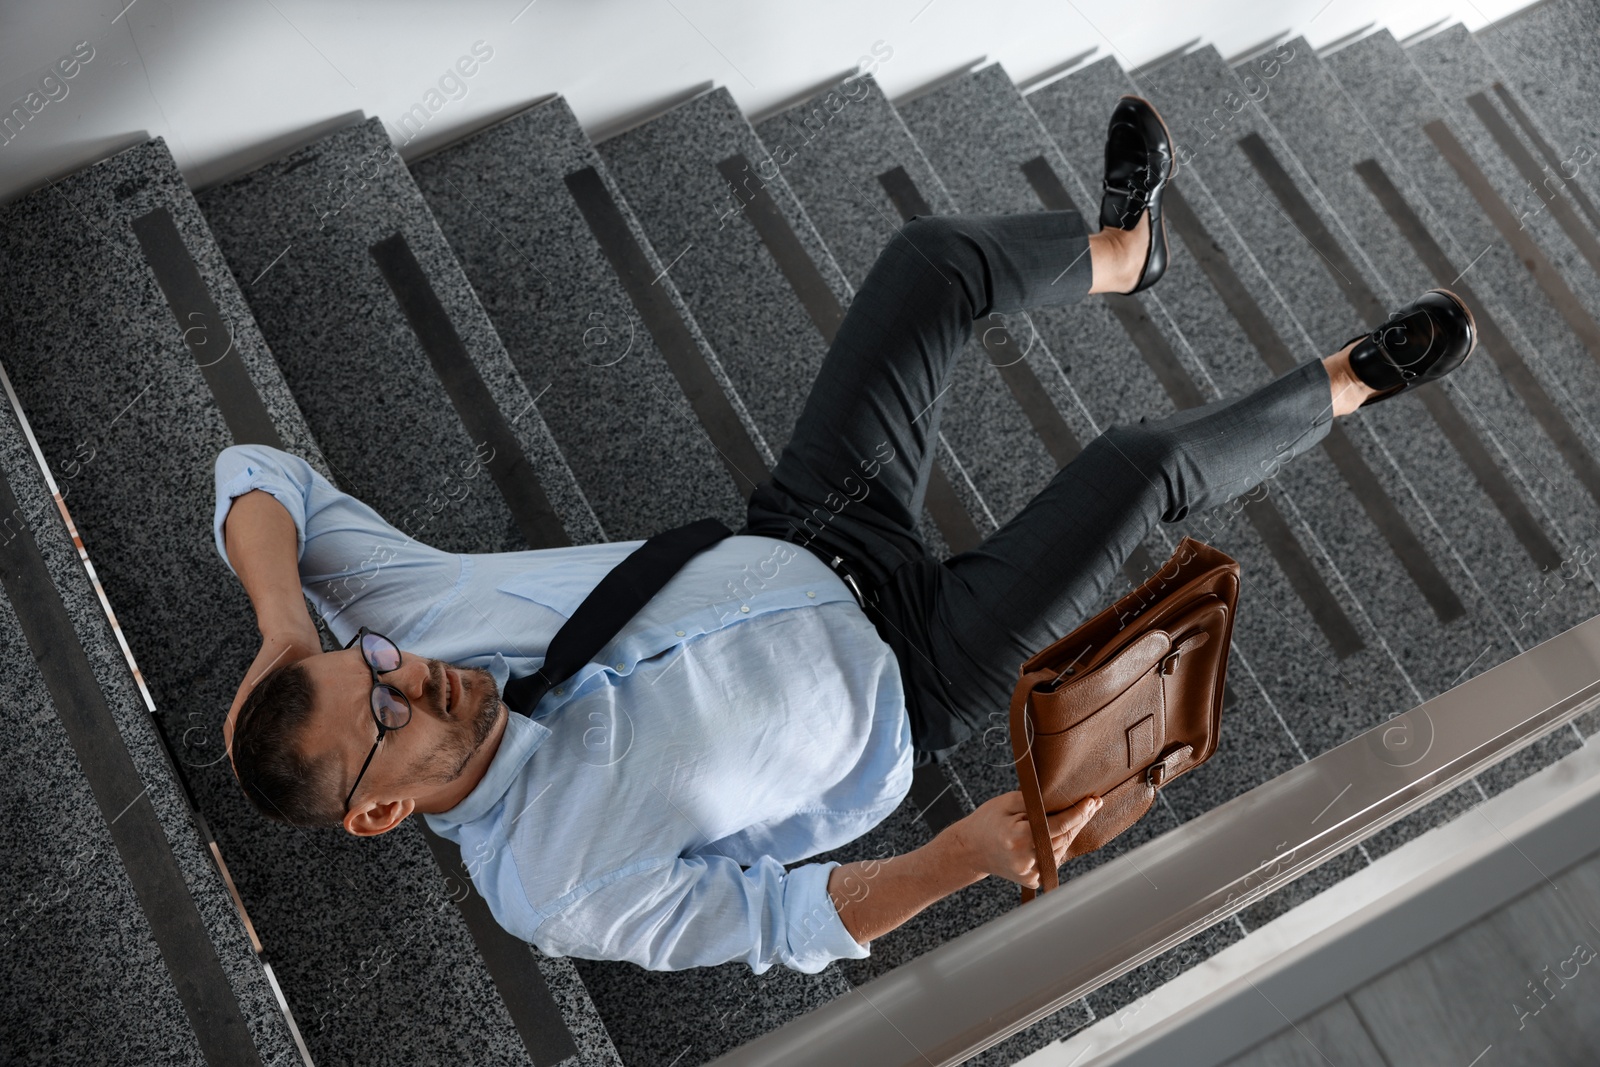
(996, 838)
(277, 648)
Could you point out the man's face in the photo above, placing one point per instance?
(453, 710)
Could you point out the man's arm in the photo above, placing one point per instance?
(261, 541)
(875, 896)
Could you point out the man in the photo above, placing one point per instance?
(770, 701)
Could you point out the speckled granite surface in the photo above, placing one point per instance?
(73, 931)
(667, 169)
(1399, 90)
(604, 386)
(1455, 66)
(1546, 54)
(296, 232)
(1419, 470)
(748, 311)
(1073, 110)
(121, 412)
(1329, 137)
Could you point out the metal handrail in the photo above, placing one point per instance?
(978, 989)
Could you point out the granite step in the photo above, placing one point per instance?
(1387, 551)
(760, 281)
(1145, 357)
(786, 295)
(611, 375)
(1552, 230)
(1528, 414)
(403, 378)
(1446, 179)
(1544, 54)
(1374, 552)
(118, 259)
(1437, 465)
(113, 898)
(389, 352)
(113, 289)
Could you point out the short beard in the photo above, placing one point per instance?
(449, 761)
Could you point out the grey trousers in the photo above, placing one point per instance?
(853, 476)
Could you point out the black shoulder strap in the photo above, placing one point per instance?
(624, 590)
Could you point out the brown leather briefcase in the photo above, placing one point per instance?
(1126, 702)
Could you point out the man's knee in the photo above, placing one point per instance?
(1158, 458)
(1149, 448)
(942, 245)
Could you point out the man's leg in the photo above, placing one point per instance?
(983, 612)
(855, 471)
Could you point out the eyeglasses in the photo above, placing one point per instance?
(391, 709)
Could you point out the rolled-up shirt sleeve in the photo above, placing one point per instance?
(240, 469)
(698, 911)
(352, 561)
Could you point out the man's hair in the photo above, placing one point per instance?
(280, 782)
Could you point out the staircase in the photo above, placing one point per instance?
(623, 334)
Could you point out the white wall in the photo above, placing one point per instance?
(232, 83)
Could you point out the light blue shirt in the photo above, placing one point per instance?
(749, 716)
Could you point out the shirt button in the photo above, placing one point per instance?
(560, 691)
(622, 666)
(810, 593)
(744, 607)
(680, 633)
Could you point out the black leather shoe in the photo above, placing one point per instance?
(1139, 164)
(1420, 343)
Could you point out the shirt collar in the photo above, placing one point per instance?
(521, 739)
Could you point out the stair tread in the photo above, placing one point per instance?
(303, 270)
(1329, 138)
(566, 320)
(73, 902)
(1544, 53)
(1398, 100)
(1072, 110)
(76, 286)
(1473, 527)
(1446, 70)
(301, 300)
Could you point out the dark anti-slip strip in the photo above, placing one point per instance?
(783, 245)
(208, 337)
(1549, 280)
(955, 525)
(533, 1010)
(1534, 175)
(1531, 132)
(1516, 370)
(483, 421)
(1347, 459)
(717, 417)
(1001, 347)
(140, 840)
(1184, 392)
(1435, 401)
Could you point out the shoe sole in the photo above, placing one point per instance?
(1472, 323)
